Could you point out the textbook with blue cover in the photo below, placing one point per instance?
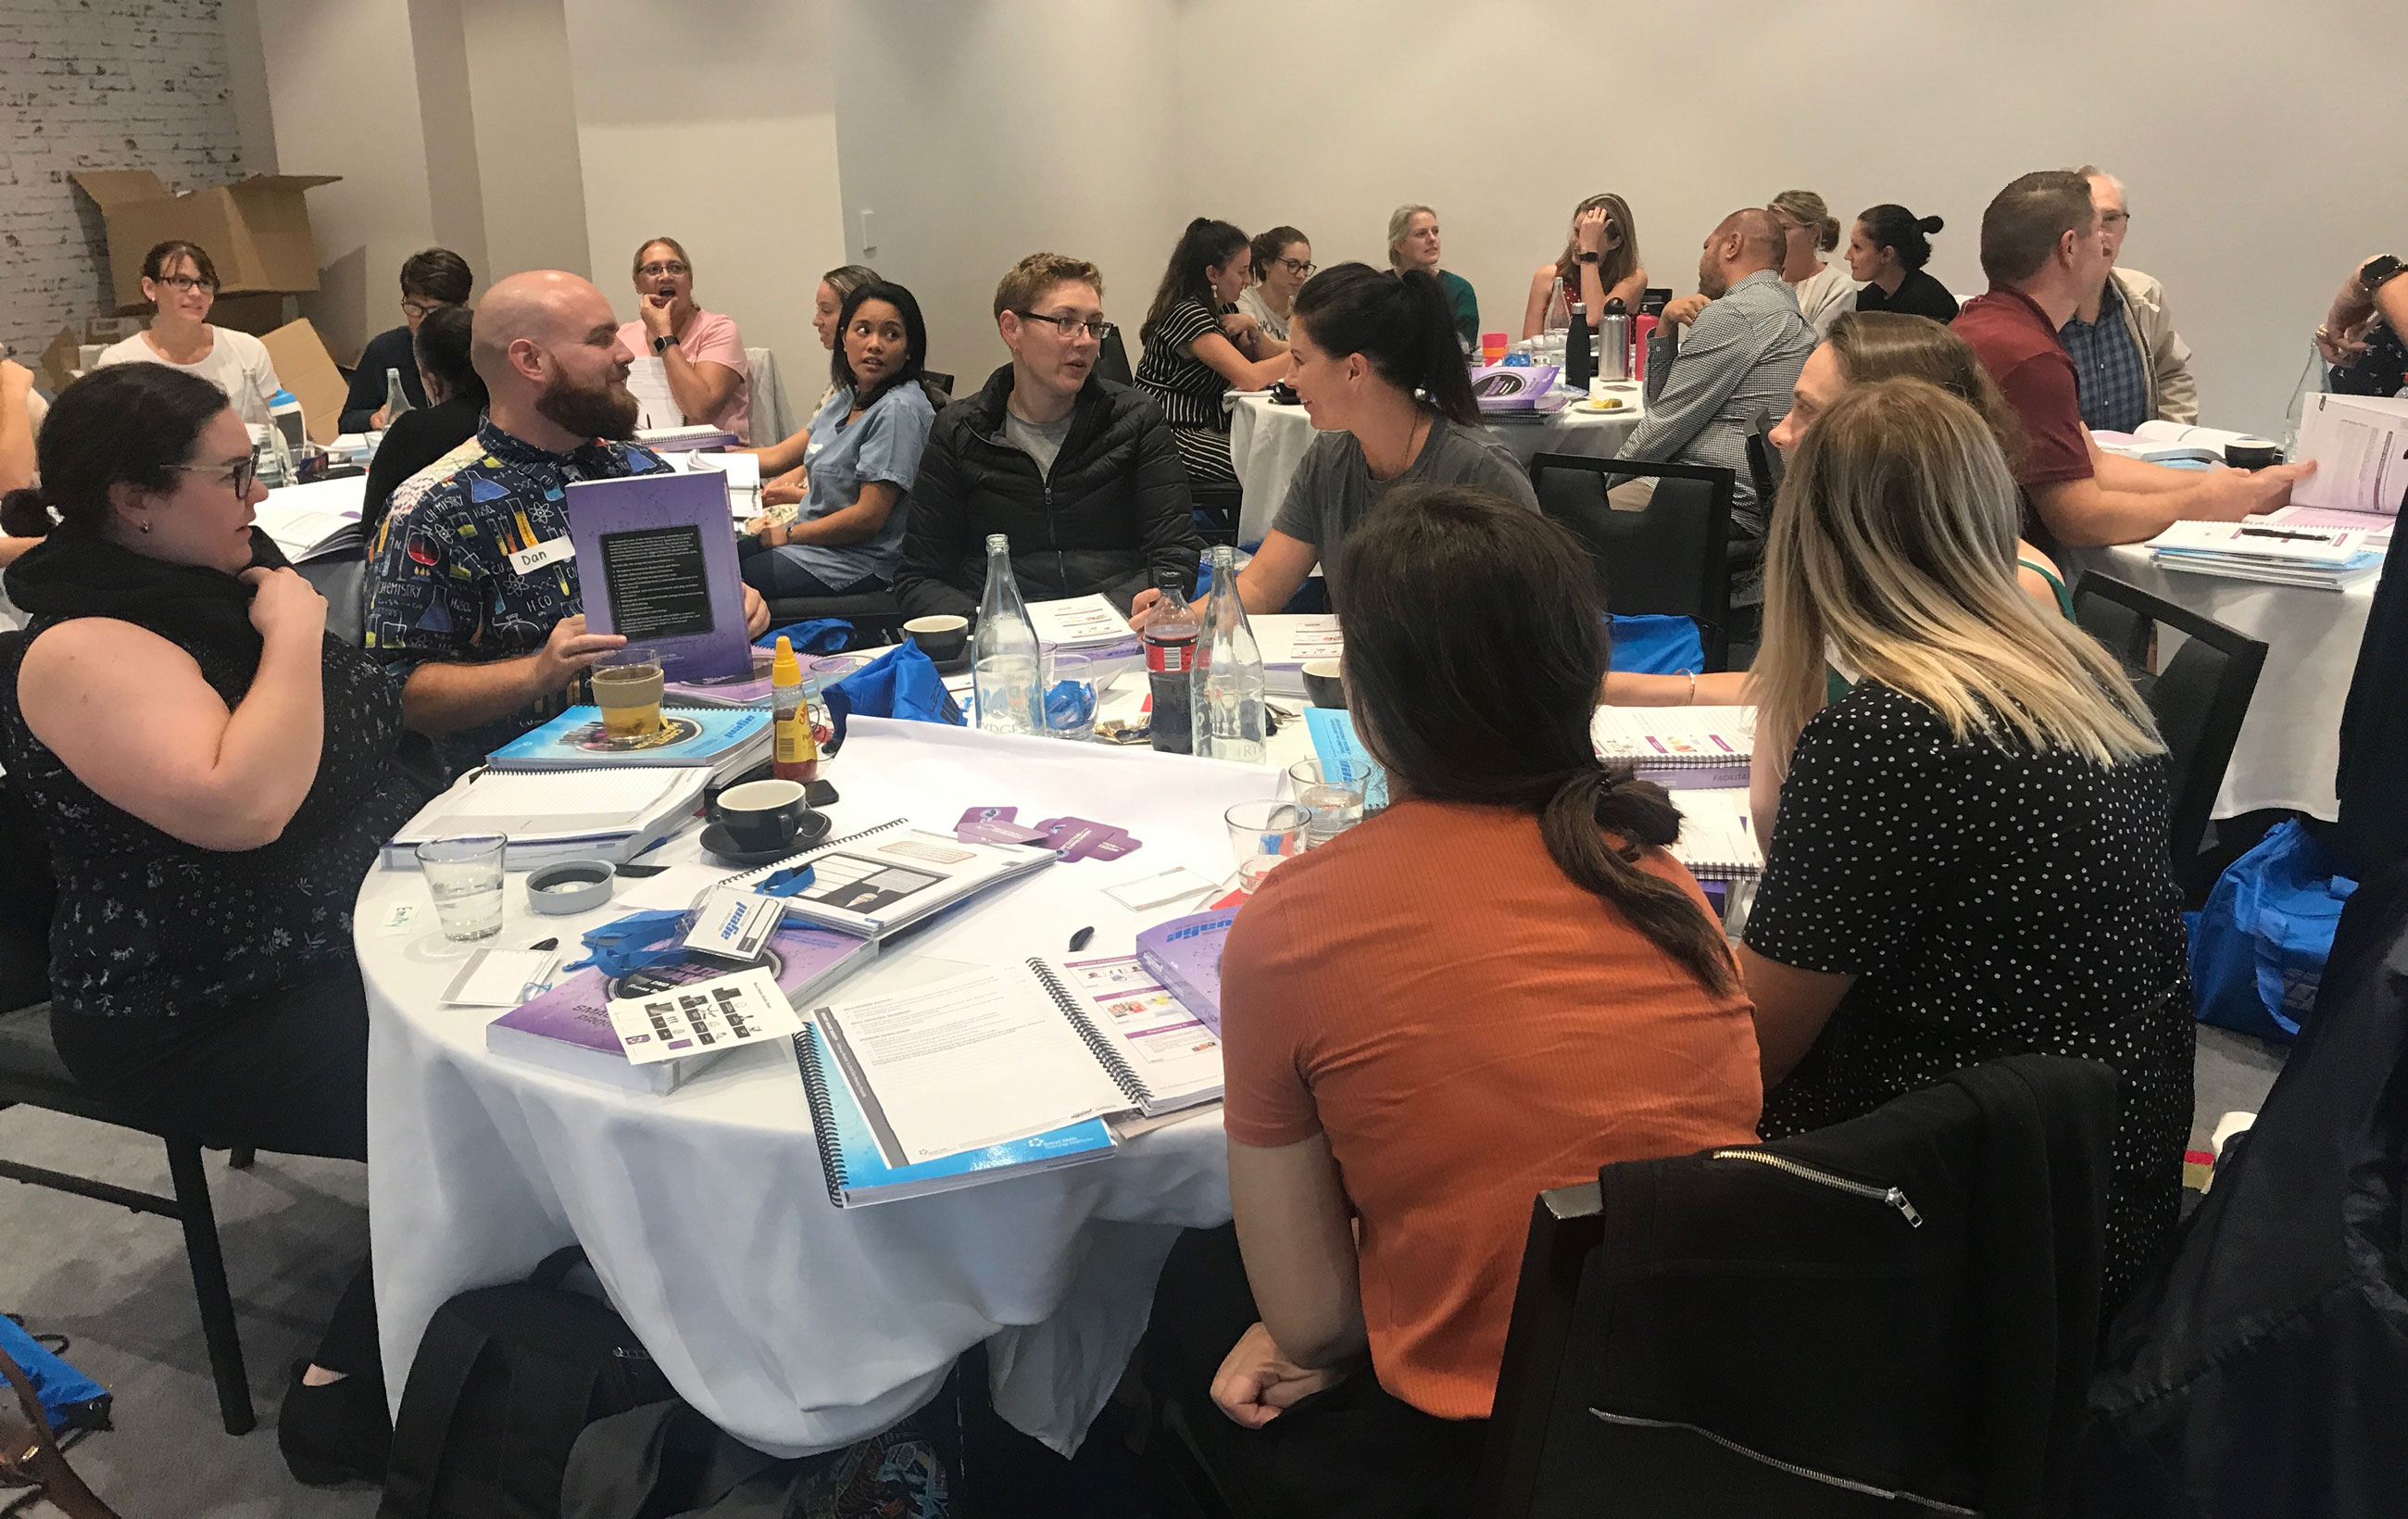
(1342, 755)
(861, 1170)
(728, 740)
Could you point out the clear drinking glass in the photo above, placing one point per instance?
(1070, 693)
(1331, 805)
(1261, 835)
(465, 875)
(628, 685)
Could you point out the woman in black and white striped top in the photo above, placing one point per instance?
(1194, 353)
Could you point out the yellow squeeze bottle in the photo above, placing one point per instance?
(796, 753)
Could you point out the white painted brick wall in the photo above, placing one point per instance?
(97, 84)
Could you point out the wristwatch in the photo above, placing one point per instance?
(2376, 272)
(1586, 258)
(661, 345)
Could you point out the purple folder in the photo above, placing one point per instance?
(657, 561)
(1184, 954)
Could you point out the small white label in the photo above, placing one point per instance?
(398, 919)
(705, 1015)
(734, 925)
(528, 561)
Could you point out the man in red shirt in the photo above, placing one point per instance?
(2043, 248)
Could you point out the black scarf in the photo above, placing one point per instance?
(77, 572)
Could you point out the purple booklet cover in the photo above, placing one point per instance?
(1184, 954)
(656, 561)
(577, 1011)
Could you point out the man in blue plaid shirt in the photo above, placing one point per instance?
(2128, 362)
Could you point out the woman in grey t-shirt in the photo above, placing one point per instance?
(1379, 375)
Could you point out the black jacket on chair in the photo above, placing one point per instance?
(1111, 517)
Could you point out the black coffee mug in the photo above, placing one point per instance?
(1322, 685)
(761, 815)
(939, 638)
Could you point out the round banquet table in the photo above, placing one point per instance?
(1266, 442)
(2289, 744)
(793, 1325)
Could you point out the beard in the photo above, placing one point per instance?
(607, 411)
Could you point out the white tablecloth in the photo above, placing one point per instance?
(1266, 442)
(796, 1326)
(2290, 742)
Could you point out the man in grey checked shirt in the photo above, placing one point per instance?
(1744, 346)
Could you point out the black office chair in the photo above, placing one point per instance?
(32, 1073)
(1763, 460)
(1671, 558)
(2198, 699)
(1218, 511)
(343, 579)
(1112, 363)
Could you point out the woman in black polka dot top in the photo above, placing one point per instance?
(1970, 859)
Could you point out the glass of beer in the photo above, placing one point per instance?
(627, 687)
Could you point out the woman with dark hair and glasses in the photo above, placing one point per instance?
(182, 284)
(432, 279)
(1495, 986)
(213, 775)
(1192, 355)
(1283, 261)
(864, 455)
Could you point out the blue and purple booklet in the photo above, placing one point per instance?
(657, 560)
(1184, 954)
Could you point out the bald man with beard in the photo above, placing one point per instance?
(486, 650)
(1744, 346)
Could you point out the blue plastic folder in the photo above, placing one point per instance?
(857, 1170)
(1342, 755)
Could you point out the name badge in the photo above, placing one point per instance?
(528, 561)
(734, 925)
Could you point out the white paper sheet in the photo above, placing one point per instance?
(2357, 442)
(500, 978)
(704, 1017)
(1078, 623)
(934, 1054)
(647, 380)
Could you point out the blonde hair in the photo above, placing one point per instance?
(1399, 221)
(1806, 209)
(636, 270)
(1893, 554)
(1033, 276)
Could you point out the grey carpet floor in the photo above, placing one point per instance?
(116, 1284)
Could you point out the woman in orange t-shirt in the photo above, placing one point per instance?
(1493, 987)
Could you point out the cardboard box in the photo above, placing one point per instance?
(62, 360)
(257, 232)
(308, 370)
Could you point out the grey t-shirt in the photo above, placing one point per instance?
(1040, 440)
(1332, 489)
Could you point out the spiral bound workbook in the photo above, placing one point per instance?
(994, 1073)
(880, 879)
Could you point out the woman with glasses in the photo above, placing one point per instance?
(1283, 261)
(182, 284)
(701, 350)
(431, 281)
(1080, 473)
(1192, 358)
(213, 774)
(864, 456)
(1599, 263)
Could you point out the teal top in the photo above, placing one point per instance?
(1465, 304)
(2064, 599)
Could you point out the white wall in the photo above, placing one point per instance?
(980, 131)
(344, 84)
(2262, 144)
(714, 124)
(530, 176)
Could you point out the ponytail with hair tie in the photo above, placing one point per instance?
(25, 514)
(1596, 797)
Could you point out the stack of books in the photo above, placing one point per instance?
(725, 741)
(561, 814)
(2320, 558)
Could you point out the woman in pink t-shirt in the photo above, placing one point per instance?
(700, 349)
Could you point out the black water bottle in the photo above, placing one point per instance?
(1580, 362)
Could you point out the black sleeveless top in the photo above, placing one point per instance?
(149, 925)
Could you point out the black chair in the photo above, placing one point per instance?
(32, 1073)
(1692, 1338)
(876, 616)
(1671, 558)
(1763, 460)
(1218, 509)
(2198, 699)
(343, 579)
(1112, 363)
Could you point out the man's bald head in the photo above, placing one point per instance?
(1742, 243)
(550, 307)
(546, 347)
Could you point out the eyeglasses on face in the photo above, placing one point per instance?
(237, 478)
(1098, 329)
(669, 267)
(184, 284)
(1300, 267)
(2114, 219)
(421, 310)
